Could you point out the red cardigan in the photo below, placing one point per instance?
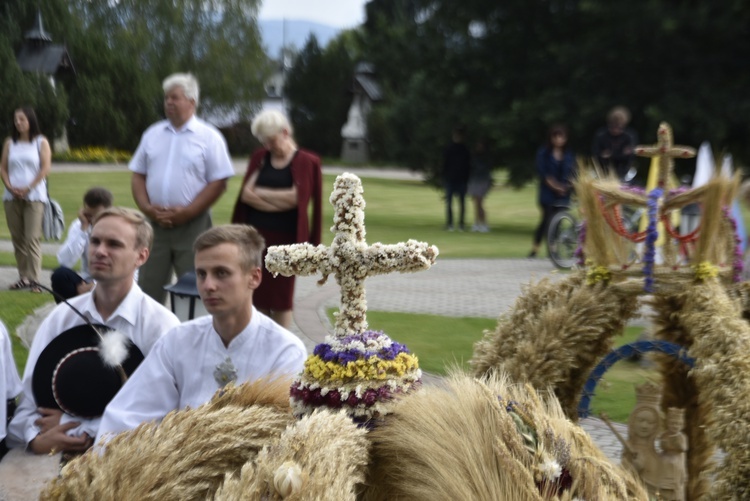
(308, 178)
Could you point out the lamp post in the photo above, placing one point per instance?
(184, 298)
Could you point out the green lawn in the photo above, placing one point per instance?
(396, 211)
(445, 342)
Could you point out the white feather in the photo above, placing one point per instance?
(113, 348)
(287, 479)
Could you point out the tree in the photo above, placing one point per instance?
(509, 69)
(123, 50)
(318, 88)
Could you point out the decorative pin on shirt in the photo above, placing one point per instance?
(225, 373)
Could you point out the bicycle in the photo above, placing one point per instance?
(562, 238)
(564, 230)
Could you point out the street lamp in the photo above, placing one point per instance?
(184, 298)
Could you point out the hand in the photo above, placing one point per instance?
(49, 419)
(84, 287)
(84, 219)
(56, 440)
(169, 217)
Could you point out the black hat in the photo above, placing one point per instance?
(70, 374)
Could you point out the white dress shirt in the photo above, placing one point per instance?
(76, 247)
(178, 164)
(10, 383)
(139, 317)
(179, 371)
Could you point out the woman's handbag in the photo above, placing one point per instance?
(53, 223)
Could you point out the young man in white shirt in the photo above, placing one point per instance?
(119, 244)
(65, 281)
(235, 343)
(180, 170)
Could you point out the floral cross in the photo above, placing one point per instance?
(349, 258)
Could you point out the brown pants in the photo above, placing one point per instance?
(25, 224)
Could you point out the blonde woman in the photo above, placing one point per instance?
(281, 182)
(25, 164)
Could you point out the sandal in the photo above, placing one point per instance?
(21, 284)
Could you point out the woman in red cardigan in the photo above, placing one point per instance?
(280, 183)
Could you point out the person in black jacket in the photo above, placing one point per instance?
(456, 170)
(614, 145)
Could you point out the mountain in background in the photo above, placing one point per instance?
(297, 33)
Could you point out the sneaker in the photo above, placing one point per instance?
(477, 227)
(531, 255)
(449, 227)
(484, 228)
(461, 228)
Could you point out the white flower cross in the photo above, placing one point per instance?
(349, 258)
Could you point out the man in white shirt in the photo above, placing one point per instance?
(65, 281)
(119, 244)
(10, 385)
(235, 343)
(179, 170)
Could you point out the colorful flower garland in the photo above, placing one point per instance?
(360, 372)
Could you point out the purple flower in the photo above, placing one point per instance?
(652, 234)
(371, 396)
(737, 264)
(579, 255)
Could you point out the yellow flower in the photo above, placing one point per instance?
(705, 270)
(373, 368)
(597, 274)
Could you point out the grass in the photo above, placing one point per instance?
(445, 342)
(396, 210)
(17, 305)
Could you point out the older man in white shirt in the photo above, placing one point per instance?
(180, 169)
(236, 343)
(119, 244)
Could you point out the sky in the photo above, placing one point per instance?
(338, 13)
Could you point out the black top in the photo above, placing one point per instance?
(270, 177)
(456, 163)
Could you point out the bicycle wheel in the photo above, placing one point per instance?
(562, 240)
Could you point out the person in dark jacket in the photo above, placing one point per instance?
(456, 170)
(555, 164)
(281, 182)
(614, 145)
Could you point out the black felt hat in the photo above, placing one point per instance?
(71, 376)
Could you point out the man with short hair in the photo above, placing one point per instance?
(119, 244)
(235, 343)
(180, 170)
(65, 281)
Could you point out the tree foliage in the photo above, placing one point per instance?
(123, 50)
(318, 88)
(510, 69)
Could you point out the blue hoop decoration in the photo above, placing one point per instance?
(627, 351)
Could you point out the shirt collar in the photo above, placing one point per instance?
(246, 334)
(187, 126)
(127, 309)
